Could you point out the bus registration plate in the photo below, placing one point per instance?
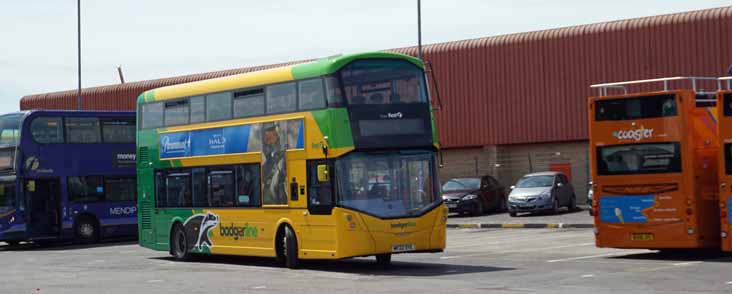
(641, 237)
(402, 247)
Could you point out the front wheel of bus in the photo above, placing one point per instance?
(179, 243)
(289, 243)
(86, 230)
(383, 259)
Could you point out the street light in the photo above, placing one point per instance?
(78, 45)
(419, 29)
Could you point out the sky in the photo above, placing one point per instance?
(165, 38)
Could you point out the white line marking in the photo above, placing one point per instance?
(583, 257)
(687, 263)
(729, 283)
(155, 281)
(259, 287)
(588, 276)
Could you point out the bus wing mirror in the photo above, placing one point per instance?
(323, 173)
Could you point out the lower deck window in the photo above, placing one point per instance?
(644, 158)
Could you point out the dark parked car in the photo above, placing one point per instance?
(474, 195)
(544, 191)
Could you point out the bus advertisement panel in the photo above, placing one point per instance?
(325, 160)
(67, 175)
(654, 170)
(724, 102)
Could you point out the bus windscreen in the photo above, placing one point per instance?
(636, 108)
(646, 158)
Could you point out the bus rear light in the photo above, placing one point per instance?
(724, 234)
(689, 211)
(722, 205)
(690, 231)
(723, 215)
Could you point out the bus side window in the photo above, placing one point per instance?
(160, 189)
(248, 190)
(320, 193)
(199, 188)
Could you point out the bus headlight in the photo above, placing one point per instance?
(690, 231)
(724, 234)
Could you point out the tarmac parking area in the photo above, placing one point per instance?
(476, 261)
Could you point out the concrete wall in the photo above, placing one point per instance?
(508, 163)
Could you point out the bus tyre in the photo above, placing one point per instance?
(383, 259)
(289, 243)
(86, 230)
(179, 243)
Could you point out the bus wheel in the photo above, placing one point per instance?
(383, 259)
(289, 246)
(86, 230)
(179, 243)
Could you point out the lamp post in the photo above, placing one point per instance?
(78, 56)
(419, 29)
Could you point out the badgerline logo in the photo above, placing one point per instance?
(635, 135)
(245, 231)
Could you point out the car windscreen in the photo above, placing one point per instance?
(645, 158)
(461, 184)
(535, 181)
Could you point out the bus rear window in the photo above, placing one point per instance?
(636, 108)
(647, 158)
(727, 104)
(727, 158)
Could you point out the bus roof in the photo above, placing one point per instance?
(311, 69)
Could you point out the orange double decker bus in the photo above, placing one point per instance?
(654, 170)
(724, 131)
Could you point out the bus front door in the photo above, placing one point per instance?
(43, 206)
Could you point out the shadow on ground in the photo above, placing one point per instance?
(680, 255)
(57, 246)
(361, 266)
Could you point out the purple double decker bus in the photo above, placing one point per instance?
(67, 175)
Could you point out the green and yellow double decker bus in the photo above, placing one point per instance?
(330, 159)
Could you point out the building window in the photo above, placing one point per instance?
(281, 98)
(218, 106)
(83, 130)
(47, 130)
(118, 131)
(152, 115)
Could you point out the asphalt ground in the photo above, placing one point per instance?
(579, 217)
(476, 261)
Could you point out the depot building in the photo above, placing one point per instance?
(514, 104)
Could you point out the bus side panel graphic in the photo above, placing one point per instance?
(625, 209)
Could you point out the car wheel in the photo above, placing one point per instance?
(555, 206)
(512, 214)
(86, 230)
(478, 209)
(12, 243)
(572, 203)
(502, 205)
(179, 243)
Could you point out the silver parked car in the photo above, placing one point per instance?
(544, 191)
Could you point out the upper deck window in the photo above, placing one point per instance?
(248, 103)
(218, 106)
(83, 130)
(281, 98)
(198, 109)
(118, 131)
(636, 108)
(10, 129)
(152, 115)
(176, 112)
(47, 130)
(312, 95)
(383, 81)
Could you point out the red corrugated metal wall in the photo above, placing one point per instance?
(522, 88)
